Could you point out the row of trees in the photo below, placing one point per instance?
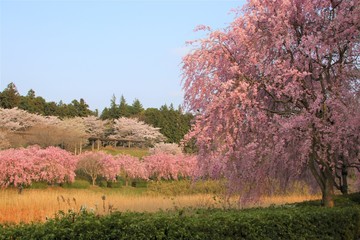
(173, 123)
(20, 128)
(10, 98)
(22, 167)
(123, 109)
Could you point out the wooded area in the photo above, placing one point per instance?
(172, 123)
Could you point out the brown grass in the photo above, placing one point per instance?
(37, 205)
(280, 200)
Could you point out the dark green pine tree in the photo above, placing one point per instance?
(83, 109)
(136, 107)
(10, 97)
(105, 114)
(123, 107)
(174, 124)
(33, 104)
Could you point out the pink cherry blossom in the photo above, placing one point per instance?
(98, 163)
(277, 96)
(26, 165)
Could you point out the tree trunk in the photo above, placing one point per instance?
(325, 181)
(344, 186)
(92, 145)
(93, 180)
(328, 192)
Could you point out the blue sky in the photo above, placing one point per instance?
(67, 50)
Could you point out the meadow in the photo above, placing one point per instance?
(41, 204)
(207, 219)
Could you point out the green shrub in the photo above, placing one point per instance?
(102, 183)
(80, 175)
(139, 183)
(117, 184)
(78, 184)
(289, 222)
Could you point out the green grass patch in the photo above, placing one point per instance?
(39, 185)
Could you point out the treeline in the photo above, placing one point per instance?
(173, 123)
(10, 98)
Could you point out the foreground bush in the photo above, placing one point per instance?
(288, 222)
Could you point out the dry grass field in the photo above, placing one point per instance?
(39, 204)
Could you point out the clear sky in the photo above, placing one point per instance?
(67, 50)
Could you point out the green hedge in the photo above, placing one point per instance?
(288, 222)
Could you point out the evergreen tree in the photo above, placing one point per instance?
(114, 110)
(33, 104)
(10, 97)
(83, 109)
(105, 114)
(123, 107)
(51, 109)
(136, 107)
(31, 94)
(173, 123)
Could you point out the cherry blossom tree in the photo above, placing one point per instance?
(95, 128)
(23, 128)
(15, 119)
(52, 164)
(132, 129)
(277, 95)
(131, 168)
(15, 168)
(28, 129)
(96, 164)
(20, 167)
(161, 166)
(171, 148)
(74, 133)
(187, 165)
(170, 166)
